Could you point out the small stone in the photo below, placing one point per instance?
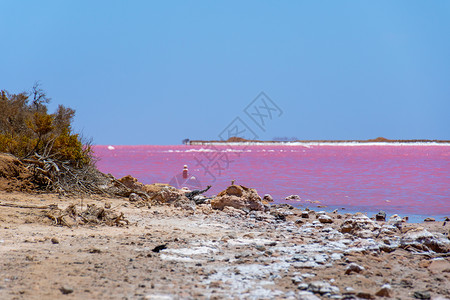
(260, 248)
(320, 287)
(66, 290)
(325, 219)
(305, 214)
(297, 279)
(268, 198)
(302, 286)
(304, 295)
(353, 268)
(381, 216)
(429, 220)
(55, 240)
(134, 197)
(365, 295)
(293, 197)
(422, 295)
(385, 291)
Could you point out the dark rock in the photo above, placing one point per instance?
(429, 220)
(292, 197)
(159, 248)
(268, 198)
(55, 240)
(422, 295)
(66, 290)
(365, 295)
(381, 216)
(385, 291)
(278, 216)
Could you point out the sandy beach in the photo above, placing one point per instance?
(167, 252)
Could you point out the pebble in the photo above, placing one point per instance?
(353, 268)
(385, 291)
(66, 290)
(325, 219)
(303, 286)
(429, 220)
(55, 240)
(422, 295)
(365, 295)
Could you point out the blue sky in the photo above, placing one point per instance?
(147, 72)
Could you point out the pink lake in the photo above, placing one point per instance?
(410, 180)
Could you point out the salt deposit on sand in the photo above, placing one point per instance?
(282, 253)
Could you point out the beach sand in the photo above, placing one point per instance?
(210, 254)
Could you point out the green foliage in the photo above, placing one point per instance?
(27, 129)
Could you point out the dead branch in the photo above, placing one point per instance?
(28, 206)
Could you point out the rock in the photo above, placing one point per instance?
(304, 295)
(395, 220)
(422, 295)
(234, 212)
(305, 214)
(385, 291)
(162, 193)
(381, 216)
(303, 286)
(268, 198)
(325, 219)
(365, 295)
(424, 240)
(292, 197)
(297, 279)
(66, 290)
(357, 223)
(131, 183)
(319, 287)
(134, 197)
(429, 219)
(184, 203)
(239, 197)
(55, 240)
(200, 199)
(320, 213)
(353, 268)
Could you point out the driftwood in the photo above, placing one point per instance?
(91, 215)
(65, 178)
(28, 206)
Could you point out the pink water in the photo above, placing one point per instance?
(411, 180)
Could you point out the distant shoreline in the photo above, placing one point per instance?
(380, 140)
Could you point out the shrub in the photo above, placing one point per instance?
(27, 130)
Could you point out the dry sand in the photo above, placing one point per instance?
(210, 254)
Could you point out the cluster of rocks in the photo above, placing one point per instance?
(277, 253)
(323, 241)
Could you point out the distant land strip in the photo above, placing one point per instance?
(377, 140)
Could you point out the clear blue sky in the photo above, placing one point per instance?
(147, 72)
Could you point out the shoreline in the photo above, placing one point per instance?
(371, 142)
